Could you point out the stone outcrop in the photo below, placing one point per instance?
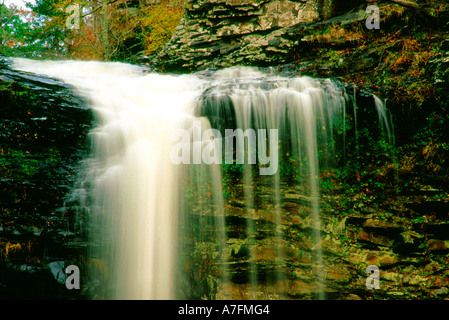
(271, 251)
(221, 33)
(43, 137)
(411, 256)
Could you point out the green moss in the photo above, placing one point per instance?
(392, 61)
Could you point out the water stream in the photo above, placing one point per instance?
(159, 148)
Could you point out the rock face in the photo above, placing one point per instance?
(411, 258)
(43, 136)
(275, 257)
(222, 33)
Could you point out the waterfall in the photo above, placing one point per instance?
(135, 194)
(304, 112)
(159, 153)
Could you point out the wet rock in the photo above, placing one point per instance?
(57, 269)
(380, 226)
(298, 288)
(443, 291)
(244, 252)
(43, 134)
(353, 296)
(37, 282)
(437, 245)
(339, 275)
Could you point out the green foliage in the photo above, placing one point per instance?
(41, 32)
(159, 23)
(232, 175)
(29, 33)
(365, 166)
(22, 165)
(15, 99)
(395, 59)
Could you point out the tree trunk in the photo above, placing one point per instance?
(328, 9)
(7, 16)
(406, 4)
(104, 30)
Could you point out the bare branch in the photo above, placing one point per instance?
(11, 15)
(97, 8)
(406, 4)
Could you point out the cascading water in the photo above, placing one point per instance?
(145, 208)
(134, 208)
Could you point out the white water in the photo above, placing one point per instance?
(135, 185)
(304, 113)
(139, 206)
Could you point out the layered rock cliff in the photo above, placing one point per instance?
(221, 33)
(402, 228)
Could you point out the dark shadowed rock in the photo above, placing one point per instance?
(43, 136)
